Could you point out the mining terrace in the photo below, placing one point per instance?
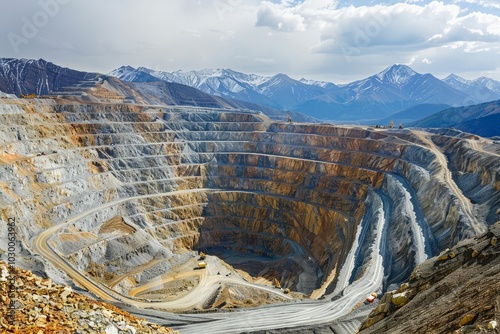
(308, 218)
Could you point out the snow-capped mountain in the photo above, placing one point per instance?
(214, 80)
(457, 82)
(130, 74)
(29, 76)
(288, 92)
(396, 88)
(489, 83)
(396, 75)
(482, 89)
(221, 82)
(279, 91)
(400, 82)
(322, 84)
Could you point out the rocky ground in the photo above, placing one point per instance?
(455, 292)
(43, 307)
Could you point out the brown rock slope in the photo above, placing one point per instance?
(457, 291)
(43, 307)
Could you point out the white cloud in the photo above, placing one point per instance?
(397, 25)
(279, 17)
(290, 16)
(418, 60)
(317, 39)
(483, 3)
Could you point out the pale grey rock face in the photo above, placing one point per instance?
(233, 182)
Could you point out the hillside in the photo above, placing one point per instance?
(455, 291)
(28, 76)
(409, 115)
(481, 119)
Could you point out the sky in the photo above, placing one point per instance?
(332, 40)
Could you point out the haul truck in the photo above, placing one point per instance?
(277, 285)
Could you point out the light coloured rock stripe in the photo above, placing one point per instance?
(443, 161)
(418, 244)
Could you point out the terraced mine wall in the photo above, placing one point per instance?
(150, 186)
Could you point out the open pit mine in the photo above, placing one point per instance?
(225, 221)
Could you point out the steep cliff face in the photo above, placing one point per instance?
(455, 291)
(147, 187)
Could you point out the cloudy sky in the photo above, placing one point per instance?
(333, 40)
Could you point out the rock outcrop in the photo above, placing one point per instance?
(457, 291)
(41, 306)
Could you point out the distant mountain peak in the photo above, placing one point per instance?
(281, 77)
(489, 83)
(481, 89)
(126, 68)
(456, 78)
(129, 73)
(24, 61)
(453, 76)
(396, 74)
(322, 84)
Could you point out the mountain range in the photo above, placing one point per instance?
(40, 77)
(397, 93)
(393, 90)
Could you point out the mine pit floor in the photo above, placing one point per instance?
(218, 286)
